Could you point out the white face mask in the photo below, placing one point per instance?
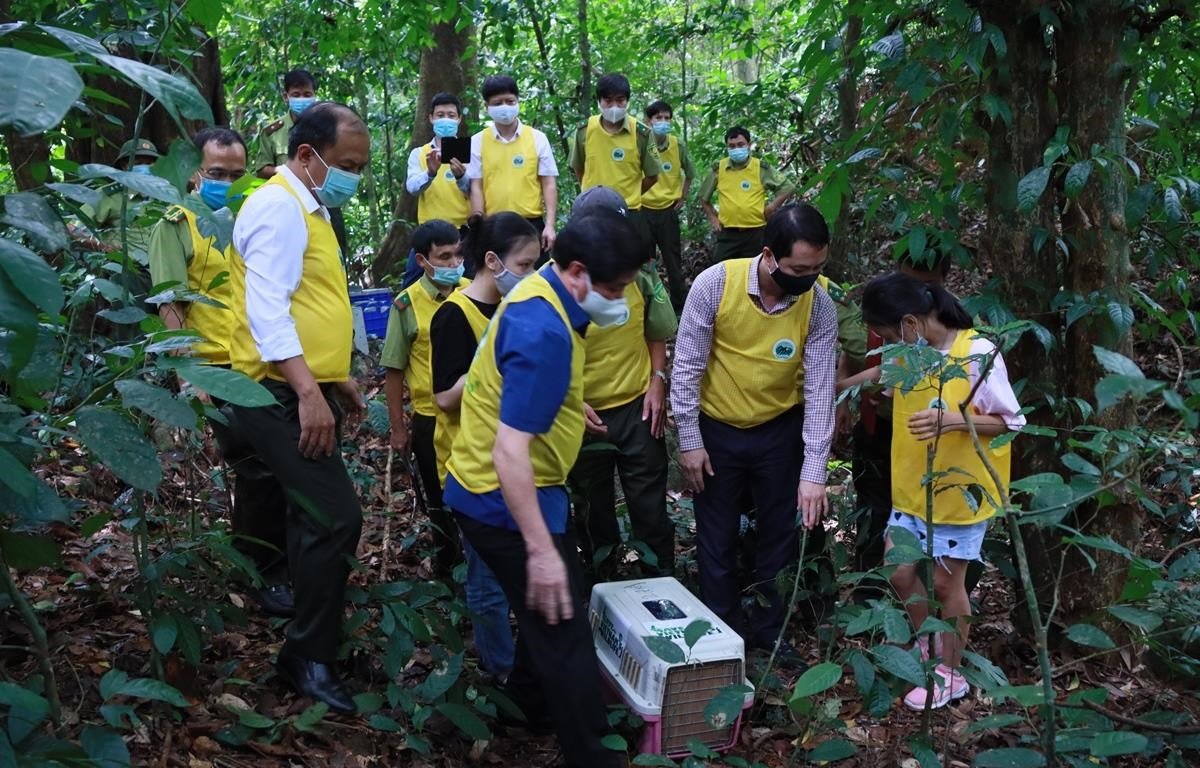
(604, 311)
(504, 114)
(614, 114)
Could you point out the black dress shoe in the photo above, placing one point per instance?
(276, 600)
(319, 682)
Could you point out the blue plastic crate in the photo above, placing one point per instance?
(375, 304)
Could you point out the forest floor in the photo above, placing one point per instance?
(87, 610)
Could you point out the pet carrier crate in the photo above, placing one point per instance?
(671, 698)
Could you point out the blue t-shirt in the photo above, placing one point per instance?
(533, 356)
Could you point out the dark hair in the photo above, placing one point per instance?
(431, 233)
(498, 84)
(604, 241)
(931, 260)
(500, 233)
(737, 130)
(319, 124)
(793, 223)
(222, 137)
(659, 106)
(299, 78)
(445, 98)
(888, 298)
(611, 86)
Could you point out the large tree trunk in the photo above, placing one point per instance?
(838, 266)
(447, 65)
(1091, 93)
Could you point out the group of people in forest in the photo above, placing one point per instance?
(525, 363)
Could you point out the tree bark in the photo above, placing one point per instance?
(447, 65)
(838, 266)
(585, 63)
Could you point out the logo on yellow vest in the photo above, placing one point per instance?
(784, 349)
(618, 154)
(938, 404)
(518, 161)
(449, 175)
(667, 167)
(745, 186)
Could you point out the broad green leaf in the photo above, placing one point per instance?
(36, 92)
(1031, 187)
(311, 717)
(251, 719)
(694, 631)
(16, 475)
(153, 187)
(701, 750)
(831, 751)
(120, 445)
(1117, 743)
(871, 153)
(1116, 363)
(178, 96)
(1010, 757)
(441, 678)
(616, 743)
(647, 759)
(180, 162)
(466, 720)
(75, 41)
(43, 507)
(992, 675)
(368, 703)
(1137, 617)
(163, 632)
(124, 315)
(32, 276)
(30, 212)
(26, 712)
(1025, 695)
(994, 721)
(27, 552)
(900, 663)
(81, 194)
(1087, 634)
(206, 13)
(150, 690)
(864, 672)
(106, 748)
(1173, 206)
(156, 402)
(665, 649)
(384, 723)
(1076, 463)
(724, 708)
(227, 385)
(817, 679)
(1076, 178)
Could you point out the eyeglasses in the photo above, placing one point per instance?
(220, 174)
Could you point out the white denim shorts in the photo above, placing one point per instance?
(962, 542)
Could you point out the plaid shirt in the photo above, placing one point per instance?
(693, 345)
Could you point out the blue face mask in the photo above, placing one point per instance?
(739, 154)
(297, 104)
(602, 310)
(661, 127)
(447, 277)
(215, 193)
(143, 170)
(445, 127)
(339, 185)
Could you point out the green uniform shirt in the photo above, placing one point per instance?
(402, 329)
(772, 181)
(647, 150)
(170, 249)
(273, 143)
(852, 331)
(661, 322)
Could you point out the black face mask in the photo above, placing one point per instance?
(791, 284)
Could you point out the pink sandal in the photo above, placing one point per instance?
(943, 692)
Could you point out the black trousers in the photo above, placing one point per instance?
(555, 673)
(642, 226)
(872, 466)
(738, 243)
(663, 226)
(445, 532)
(539, 223)
(313, 503)
(641, 462)
(767, 459)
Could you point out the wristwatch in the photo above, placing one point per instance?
(662, 375)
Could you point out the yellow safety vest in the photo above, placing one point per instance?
(215, 324)
(510, 174)
(553, 453)
(955, 452)
(613, 160)
(740, 194)
(448, 422)
(669, 186)
(443, 199)
(320, 307)
(419, 374)
(757, 360)
(617, 368)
